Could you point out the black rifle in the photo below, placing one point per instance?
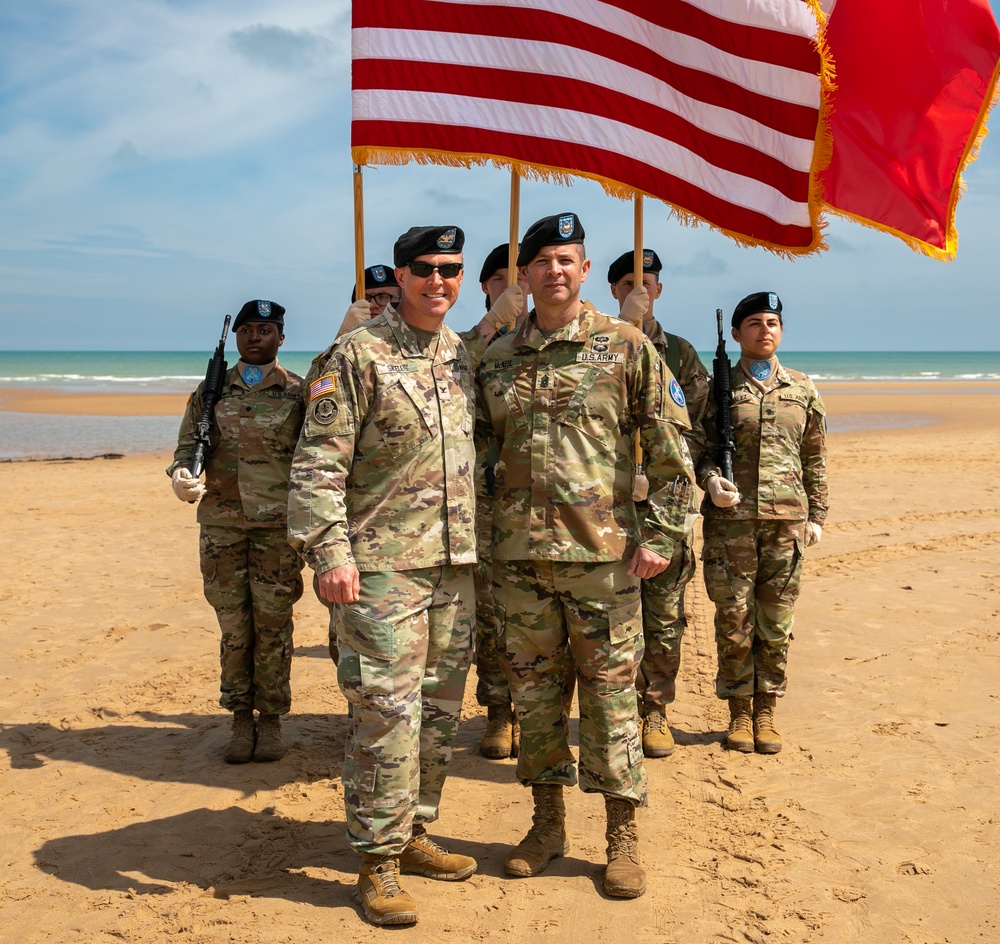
(722, 380)
(211, 392)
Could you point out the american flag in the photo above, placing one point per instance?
(325, 384)
(719, 108)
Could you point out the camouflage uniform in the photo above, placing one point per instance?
(753, 551)
(663, 596)
(564, 408)
(383, 478)
(252, 576)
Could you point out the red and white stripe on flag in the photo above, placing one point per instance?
(712, 106)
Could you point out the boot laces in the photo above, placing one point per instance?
(385, 877)
(623, 840)
(653, 721)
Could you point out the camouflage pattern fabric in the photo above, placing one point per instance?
(382, 475)
(663, 621)
(567, 623)
(663, 625)
(780, 461)
(405, 648)
(563, 409)
(253, 439)
(252, 579)
(753, 571)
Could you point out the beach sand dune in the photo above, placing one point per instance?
(878, 822)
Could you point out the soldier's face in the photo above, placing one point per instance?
(621, 289)
(759, 335)
(432, 296)
(258, 341)
(556, 274)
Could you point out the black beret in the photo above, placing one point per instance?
(427, 241)
(755, 304)
(260, 310)
(625, 263)
(559, 230)
(497, 259)
(377, 276)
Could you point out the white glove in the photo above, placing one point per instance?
(186, 487)
(358, 313)
(722, 492)
(640, 490)
(636, 306)
(814, 533)
(506, 309)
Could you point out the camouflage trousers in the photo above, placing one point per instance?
(492, 687)
(570, 624)
(405, 648)
(663, 626)
(753, 572)
(252, 578)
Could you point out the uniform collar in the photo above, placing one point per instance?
(274, 375)
(410, 344)
(530, 336)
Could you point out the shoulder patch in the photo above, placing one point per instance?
(322, 385)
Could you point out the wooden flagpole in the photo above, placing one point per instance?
(636, 282)
(515, 209)
(359, 234)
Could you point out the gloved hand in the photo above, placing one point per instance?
(506, 309)
(640, 490)
(186, 487)
(636, 305)
(814, 533)
(358, 313)
(722, 492)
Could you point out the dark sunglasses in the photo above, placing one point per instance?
(423, 270)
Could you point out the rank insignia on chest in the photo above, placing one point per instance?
(325, 384)
(325, 410)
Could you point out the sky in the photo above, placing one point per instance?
(164, 161)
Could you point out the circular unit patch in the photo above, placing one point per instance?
(325, 411)
(677, 394)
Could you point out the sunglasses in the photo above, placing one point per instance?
(382, 298)
(423, 270)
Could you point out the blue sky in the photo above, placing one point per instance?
(162, 162)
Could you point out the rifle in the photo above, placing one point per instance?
(211, 392)
(722, 381)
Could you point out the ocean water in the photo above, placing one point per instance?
(24, 436)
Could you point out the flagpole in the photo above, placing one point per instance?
(359, 234)
(637, 251)
(515, 207)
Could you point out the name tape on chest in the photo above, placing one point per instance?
(598, 357)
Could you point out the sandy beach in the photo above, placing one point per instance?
(878, 822)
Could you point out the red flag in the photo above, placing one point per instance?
(708, 105)
(915, 80)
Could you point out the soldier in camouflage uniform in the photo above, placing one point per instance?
(561, 398)
(663, 619)
(252, 576)
(502, 736)
(382, 504)
(758, 527)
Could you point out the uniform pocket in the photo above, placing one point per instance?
(402, 419)
(367, 648)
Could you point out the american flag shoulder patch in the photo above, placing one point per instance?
(325, 384)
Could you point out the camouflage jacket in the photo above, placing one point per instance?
(780, 460)
(563, 410)
(253, 438)
(693, 378)
(383, 471)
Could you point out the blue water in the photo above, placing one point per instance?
(38, 435)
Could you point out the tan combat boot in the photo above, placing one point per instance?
(499, 732)
(269, 744)
(383, 901)
(423, 856)
(765, 736)
(740, 734)
(239, 750)
(547, 837)
(625, 877)
(657, 741)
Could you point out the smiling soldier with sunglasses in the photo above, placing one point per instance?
(382, 504)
